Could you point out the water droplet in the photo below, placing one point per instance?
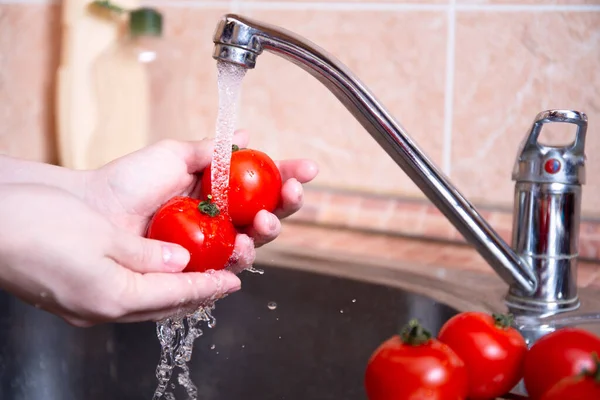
(212, 347)
(279, 337)
(354, 300)
(217, 352)
(212, 321)
(243, 346)
(43, 295)
(277, 319)
(341, 311)
(272, 305)
(255, 270)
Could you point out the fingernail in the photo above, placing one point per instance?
(272, 222)
(232, 284)
(175, 256)
(233, 289)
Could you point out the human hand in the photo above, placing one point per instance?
(59, 254)
(130, 189)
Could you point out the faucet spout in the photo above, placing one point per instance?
(240, 40)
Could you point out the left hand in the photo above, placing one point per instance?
(130, 189)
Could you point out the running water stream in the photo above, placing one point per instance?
(177, 333)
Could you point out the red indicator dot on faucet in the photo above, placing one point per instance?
(552, 166)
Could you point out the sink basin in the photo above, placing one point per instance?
(313, 345)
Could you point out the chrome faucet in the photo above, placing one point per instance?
(541, 266)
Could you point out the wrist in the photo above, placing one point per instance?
(17, 171)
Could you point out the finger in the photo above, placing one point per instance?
(174, 313)
(146, 255)
(292, 198)
(244, 254)
(302, 170)
(265, 228)
(161, 292)
(196, 154)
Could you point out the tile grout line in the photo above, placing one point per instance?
(375, 6)
(282, 5)
(529, 7)
(449, 89)
(287, 5)
(185, 4)
(29, 2)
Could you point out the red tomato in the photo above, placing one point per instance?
(199, 227)
(254, 185)
(583, 386)
(558, 355)
(492, 350)
(413, 366)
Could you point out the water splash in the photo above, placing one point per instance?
(255, 270)
(176, 336)
(230, 78)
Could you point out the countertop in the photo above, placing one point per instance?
(446, 271)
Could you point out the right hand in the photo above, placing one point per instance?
(61, 255)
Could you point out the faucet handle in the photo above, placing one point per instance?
(553, 164)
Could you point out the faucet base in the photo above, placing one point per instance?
(526, 306)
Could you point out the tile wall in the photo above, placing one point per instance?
(464, 77)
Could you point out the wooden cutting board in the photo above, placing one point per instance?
(86, 33)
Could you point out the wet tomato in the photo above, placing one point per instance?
(556, 356)
(413, 365)
(254, 184)
(583, 386)
(492, 350)
(199, 227)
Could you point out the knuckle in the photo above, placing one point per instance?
(148, 254)
(111, 310)
(168, 144)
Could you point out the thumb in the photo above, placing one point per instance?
(147, 255)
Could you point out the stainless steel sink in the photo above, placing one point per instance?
(313, 345)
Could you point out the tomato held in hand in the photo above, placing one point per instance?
(583, 386)
(413, 365)
(558, 355)
(199, 227)
(492, 350)
(254, 185)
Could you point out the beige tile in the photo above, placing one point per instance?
(529, 2)
(191, 31)
(509, 67)
(357, 1)
(29, 52)
(292, 115)
(587, 274)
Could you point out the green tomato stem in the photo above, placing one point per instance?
(414, 334)
(595, 373)
(208, 207)
(503, 321)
